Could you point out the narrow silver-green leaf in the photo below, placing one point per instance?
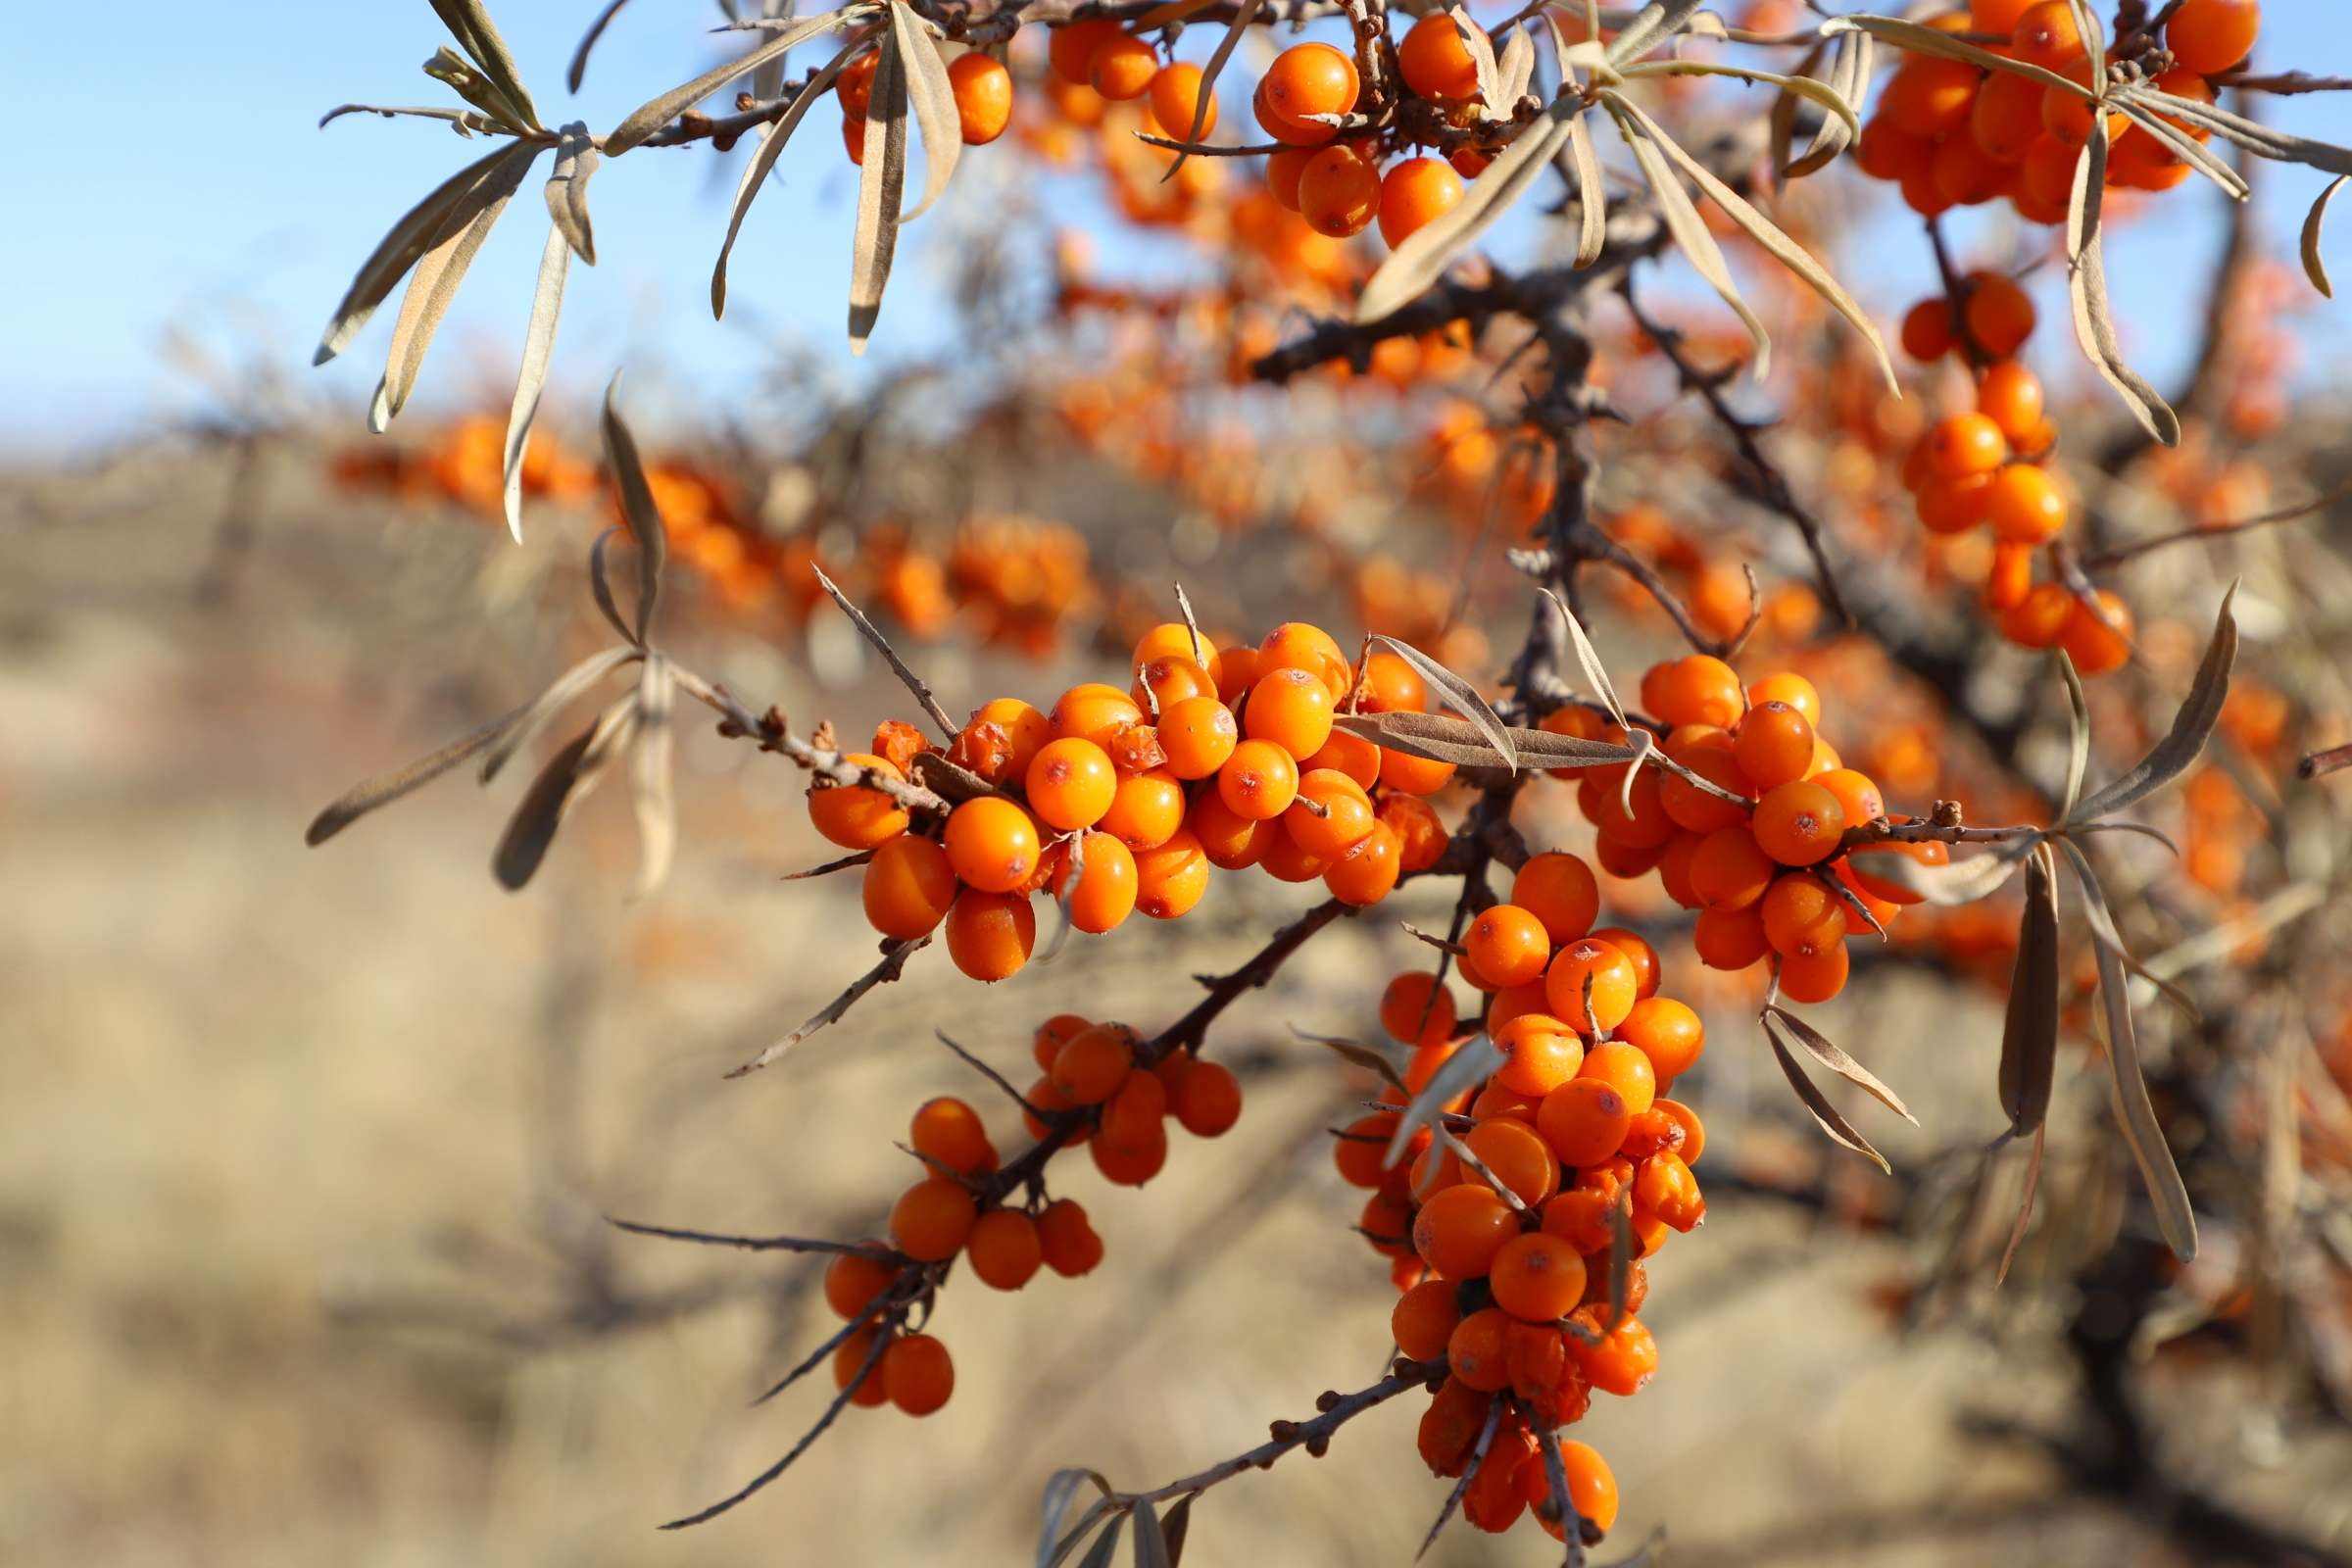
(567, 779)
(1850, 77)
(656, 113)
(763, 159)
(1831, 1056)
(1592, 193)
(1481, 49)
(1061, 1490)
(1458, 741)
(2136, 1114)
(2192, 725)
(2030, 1032)
(542, 710)
(1683, 225)
(1235, 29)
(1826, 1115)
(538, 348)
(2078, 735)
(2315, 265)
(1105, 1546)
(636, 505)
(1459, 695)
(2196, 154)
(433, 286)
(578, 72)
(1516, 68)
(881, 189)
(934, 99)
(1956, 882)
(385, 788)
(1650, 27)
(655, 791)
(1800, 86)
(454, 71)
(1460, 1072)
(1913, 38)
(450, 205)
(469, 21)
(1768, 234)
(576, 159)
(2086, 293)
(1430, 248)
(1368, 1058)
(1150, 1542)
(2264, 141)
(1179, 1528)
(1597, 673)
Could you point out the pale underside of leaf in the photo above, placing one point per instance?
(1831, 1056)
(1470, 1063)
(656, 794)
(535, 715)
(1368, 1058)
(763, 159)
(2315, 265)
(1430, 248)
(538, 348)
(1685, 226)
(1831, 1121)
(1441, 739)
(881, 187)
(386, 788)
(1459, 695)
(933, 97)
(576, 159)
(470, 22)
(2136, 1114)
(2078, 735)
(1592, 193)
(433, 286)
(451, 203)
(2086, 293)
(1961, 881)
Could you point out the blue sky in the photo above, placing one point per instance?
(180, 166)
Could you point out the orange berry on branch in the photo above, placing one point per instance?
(990, 935)
(1005, 1248)
(1540, 1052)
(1538, 1277)
(948, 1132)
(854, 816)
(853, 1281)
(1798, 824)
(1171, 878)
(1518, 1157)
(1590, 986)
(917, 1374)
(932, 1219)
(1107, 884)
(1460, 1229)
(908, 888)
(983, 91)
(1584, 1120)
(1414, 194)
(1067, 1242)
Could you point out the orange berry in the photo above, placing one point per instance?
(2024, 505)
(1668, 1033)
(1786, 687)
(1198, 734)
(1367, 872)
(1638, 953)
(948, 1132)
(853, 1281)
(1696, 689)
(1172, 877)
(1887, 151)
(1106, 885)
(2006, 119)
(1460, 1229)
(1092, 1065)
(1054, 1034)
(1284, 862)
(990, 935)
(1232, 842)
(1133, 1160)
(2207, 36)
(1207, 1101)
(1963, 444)
(983, 90)
(2038, 620)
(1964, 173)
(1803, 917)
(908, 888)
(1954, 506)
(1310, 78)
(1004, 1250)
(1773, 745)
(2045, 35)
(1625, 1068)
(1146, 811)
(1815, 976)
(1390, 685)
(1338, 191)
(1331, 814)
(1413, 775)
(1728, 939)
(1541, 1052)
(1993, 15)
(1073, 51)
(854, 816)
(1591, 1488)
(1798, 824)
(2010, 396)
(1095, 712)
(1625, 1357)
(917, 1374)
(1416, 1010)
(2097, 635)
(1352, 755)
(2000, 315)
(1635, 816)
(1508, 943)
(1423, 1320)
(1590, 986)
(1361, 1147)
(1926, 853)
(1730, 870)
(1176, 97)
(1928, 329)
(850, 1367)
(1434, 61)
(1584, 1120)
(1928, 96)
(855, 86)
(1282, 171)
(1536, 1277)
(1477, 1351)
(1858, 796)
(1067, 1242)
(1259, 780)
(992, 844)
(1694, 1132)
(1559, 890)
(1070, 783)
(1025, 729)
(1415, 193)
(1122, 68)
(1518, 1157)
(931, 1219)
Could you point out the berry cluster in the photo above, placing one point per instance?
(1104, 1087)
(1117, 800)
(1502, 1232)
(982, 86)
(1990, 468)
(1761, 851)
(1954, 135)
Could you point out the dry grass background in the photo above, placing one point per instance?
(302, 1152)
